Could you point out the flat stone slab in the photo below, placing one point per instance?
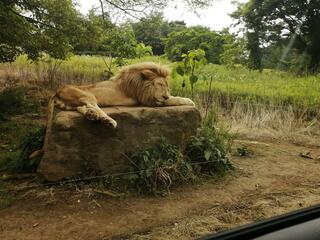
(78, 146)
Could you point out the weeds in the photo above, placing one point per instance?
(17, 160)
(210, 148)
(5, 199)
(154, 170)
(13, 101)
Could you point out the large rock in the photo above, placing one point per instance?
(78, 146)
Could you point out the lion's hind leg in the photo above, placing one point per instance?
(85, 103)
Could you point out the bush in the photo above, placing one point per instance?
(13, 101)
(154, 170)
(18, 160)
(208, 151)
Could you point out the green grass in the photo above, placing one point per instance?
(19, 138)
(6, 198)
(237, 84)
(77, 69)
(269, 87)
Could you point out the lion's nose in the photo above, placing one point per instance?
(165, 97)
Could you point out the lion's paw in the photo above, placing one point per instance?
(92, 114)
(188, 101)
(109, 121)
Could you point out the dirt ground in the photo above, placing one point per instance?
(273, 180)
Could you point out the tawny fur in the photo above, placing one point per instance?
(144, 84)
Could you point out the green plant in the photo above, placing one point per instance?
(17, 160)
(13, 100)
(243, 151)
(154, 170)
(189, 64)
(5, 199)
(143, 50)
(208, 151)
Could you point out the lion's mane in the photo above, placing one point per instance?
(136, 81)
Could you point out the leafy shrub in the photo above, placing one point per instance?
(13, 101)
(208, 151)
(154, 170)
(18, 160)
(143, 50)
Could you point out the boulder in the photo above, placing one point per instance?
(77, 146)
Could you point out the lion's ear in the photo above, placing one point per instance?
(147, 74)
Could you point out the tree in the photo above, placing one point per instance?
(143, 50)
(181, 42)
(120, 43)
(292, 22)
(137, 8)
(91, 32)
(234, 51)
(251, 19)
(153, 29)
(150, 31)
(36, 26)
(55, 27)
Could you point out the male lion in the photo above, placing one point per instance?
(143, 84)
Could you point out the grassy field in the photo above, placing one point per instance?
(269, 87)
(228, 85)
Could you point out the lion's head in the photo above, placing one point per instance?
(146, 82)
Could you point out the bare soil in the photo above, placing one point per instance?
(272, 180)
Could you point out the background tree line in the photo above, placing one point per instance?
(276, 34)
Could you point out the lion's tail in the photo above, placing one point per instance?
(51, 106)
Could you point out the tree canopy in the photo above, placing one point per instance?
(153, 29)
(55, 27)
(180, 42)
(35, 26)
(293, 24)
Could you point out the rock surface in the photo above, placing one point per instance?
(78, 146)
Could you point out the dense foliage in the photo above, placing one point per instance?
(278, 34)
(152, 30)
(36, 26)
(160, 167)
(180, 42)
(155, 169)
(292, 25)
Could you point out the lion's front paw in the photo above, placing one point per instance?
(178, 101)
(109, 121)
(92, 114)
(188, 101)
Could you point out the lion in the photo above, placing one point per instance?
(144, 84)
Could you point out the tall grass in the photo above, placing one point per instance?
(269, 87)
(229, 86)
(53, 73)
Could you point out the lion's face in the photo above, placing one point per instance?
(146, 82)
(161, 90)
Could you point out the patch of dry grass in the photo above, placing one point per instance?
(260, 121)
